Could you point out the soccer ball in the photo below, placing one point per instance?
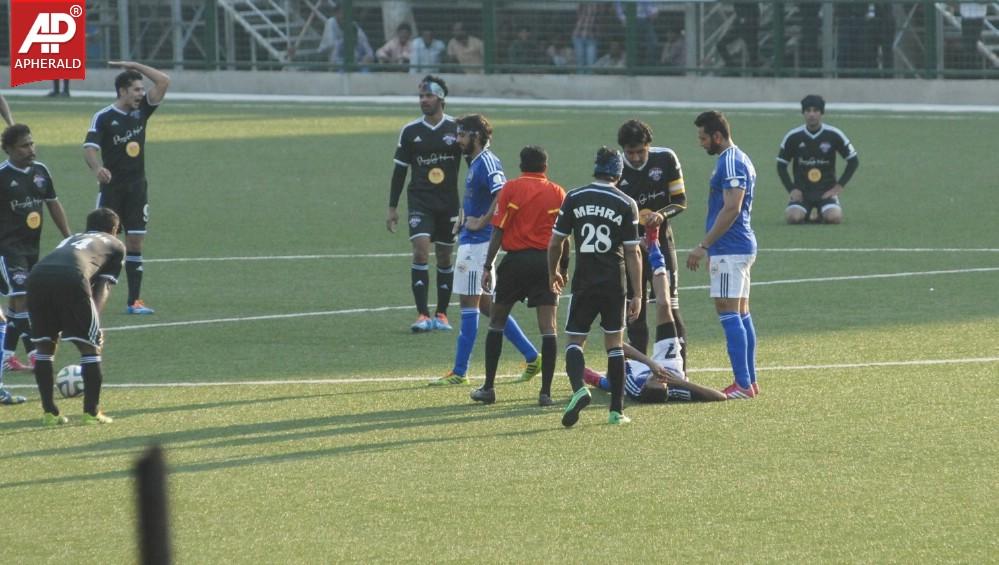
(69, 381)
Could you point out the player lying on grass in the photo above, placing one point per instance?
(658, 378)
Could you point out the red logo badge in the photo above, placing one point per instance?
(48, 40)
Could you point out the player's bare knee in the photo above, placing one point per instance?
(833, 217)
(794, 216)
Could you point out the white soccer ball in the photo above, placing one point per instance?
(69, 381)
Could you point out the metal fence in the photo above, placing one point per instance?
(828, 39)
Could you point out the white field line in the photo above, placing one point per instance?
(320, 256)
(390, 308)
(425, 378)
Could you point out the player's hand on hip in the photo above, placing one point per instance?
(796, 195)
(392, 220)
(103, 175)
(833, 192)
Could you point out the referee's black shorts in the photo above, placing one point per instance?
(524, 274)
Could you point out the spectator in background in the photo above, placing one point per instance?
(584, 35)
(426, 53)
(523, 50)
(747, 28)
(972, 21)
(613, 59)
(55, 88)
(466, 50)
(397, 50)
(881, 34)
(333, 41)
(809, 55)
(648, 42)
(674, 50)
(559, 52)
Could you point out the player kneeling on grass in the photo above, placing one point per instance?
(67, 291)
(658, 378)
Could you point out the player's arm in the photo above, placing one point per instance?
(633, 264)
(677, 204)
(784, 158)
(731, 206)
(8, 118)
(556, 248)
(58, 216)
(395, 192)
(161, 80)
(92, 156)
(495, 240)
(101, 289)
(852, 162)
(476, 223)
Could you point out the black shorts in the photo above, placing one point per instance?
(810, 201)
(130, 201)
(438, 225)
(14, 269)
(524, 274)
(62, 304)
(587, 305)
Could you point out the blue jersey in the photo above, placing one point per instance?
(734, 171)
(484, 180)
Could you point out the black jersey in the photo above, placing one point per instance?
(814, 156)
(656, 184)
(601, 220)
(433, 155)
(121, 137)
(86, 255)
(22, 194)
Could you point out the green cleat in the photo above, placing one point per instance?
(451, 378)
(100, 418)
(50, 419)
(580, 399)
(617, 418)
(530, 370)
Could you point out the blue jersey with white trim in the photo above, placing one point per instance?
(734, 171)
(483, 182)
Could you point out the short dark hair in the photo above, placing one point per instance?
(478, 125)
(634, 132)
(405, 26)
(125, 79)
(438, 80)
(713, 122)
(13, 134)
(533, 159)
(813, 101)
(103, 219)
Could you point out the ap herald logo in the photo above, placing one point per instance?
(47, 40)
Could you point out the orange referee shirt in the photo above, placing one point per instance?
(526, 211)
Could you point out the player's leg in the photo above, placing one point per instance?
(513, 332)
(726, 286)
(22, 325)
(832, 211)
(6, 397)
(45, 305)
(534, 274)
(673, 278)
(9, 273)
(612, 322)
(468, 287)
(638, 330)
(444, 239)
(747, 323)
(795, 213)
(45, 348)
(420, 227)
(582, 312)
(93, 379)
(494, 347)
(135, 218)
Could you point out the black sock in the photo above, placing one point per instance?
(45, 382)
(22, 329)
(445, 282)
(681, 334)
(421, 279)
(665, 330)
(574, 365)
(133, 270)
(549, 349)
(10, 338)
(615, 374)
(92, 379)
(494, 346)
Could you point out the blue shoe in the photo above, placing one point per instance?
(441, 323)
(139, 307)
(422, 324)
(7, 398)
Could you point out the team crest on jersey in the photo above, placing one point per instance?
(39, 181)
(414, 221)
(655, 173)
(33, 220)
(133, 149)
(825, 146)
(449, 138)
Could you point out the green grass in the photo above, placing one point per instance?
(849, 455)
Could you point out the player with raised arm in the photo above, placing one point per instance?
(115, 151)
(483, 183)
(67, 291)
(812, 149)
(603, 222)
(428, 150)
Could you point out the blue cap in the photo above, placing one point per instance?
(609, 163)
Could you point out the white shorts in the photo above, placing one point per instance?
(468, 269)
(730, 275)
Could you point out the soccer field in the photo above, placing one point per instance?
(280, 376)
